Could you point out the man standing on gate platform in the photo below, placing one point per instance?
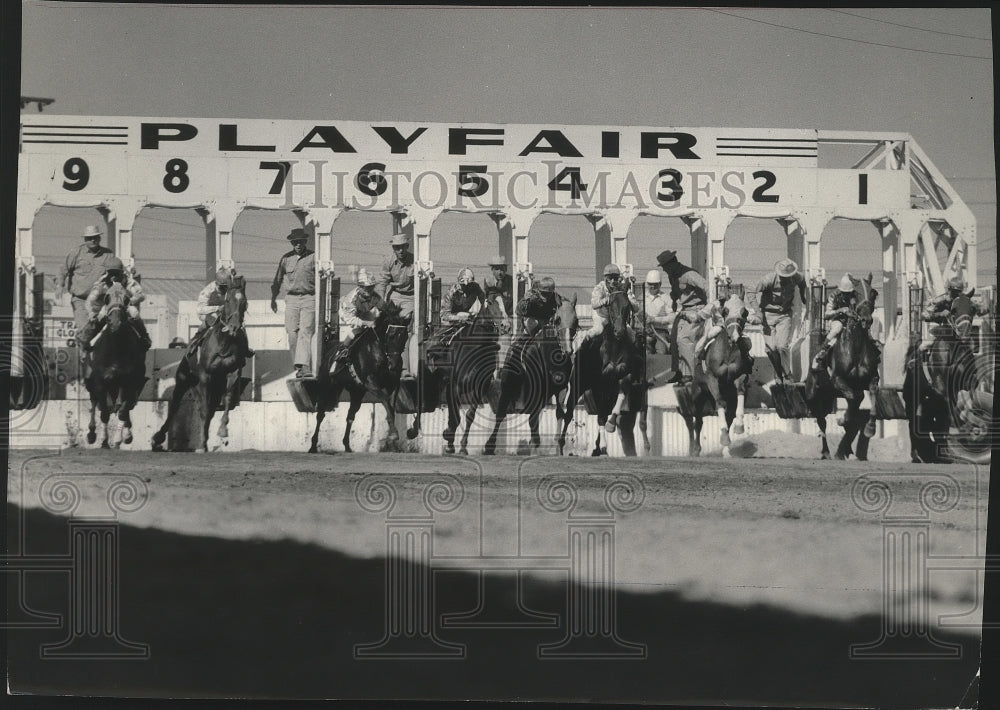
(81, 270)
(775, 298)
(396, 284)
(299, 267)
(689, 292)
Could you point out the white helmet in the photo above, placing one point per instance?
(364, 278)
(653, 277)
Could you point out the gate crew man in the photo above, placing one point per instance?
(776, 297)
(501, 287)
(83, 267)
(689, 291)
(299, 266)
(658, 317)
(396, 284)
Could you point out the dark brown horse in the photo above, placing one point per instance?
(536, 372)
(213, 369)
(373, 365)
(932, 385)
(117, 371)
(853, 370)
(462, 363)
(610, 368)
(721, 380)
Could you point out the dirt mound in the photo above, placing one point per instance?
(782, 444)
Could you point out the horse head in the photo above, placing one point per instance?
(566, 321)
(735, 314)
(234, 306)
(490, 318)
(117, 301)
(620, 314)
(392, 330)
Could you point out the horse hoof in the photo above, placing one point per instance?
(489, 452)
(411, 433)
(91, 438)
(449, 448)
(313, 450)
(869, 431)
(127, 439)
(463, 451)
(738, 430)
(825, 456)
(725, 452)
(105, 445)
(841, 457)
(726, 442)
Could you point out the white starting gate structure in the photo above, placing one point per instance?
(706, 177)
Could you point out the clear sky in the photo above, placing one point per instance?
(927, 72)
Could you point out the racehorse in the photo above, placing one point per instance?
(853, 369)
(537, 369)
(721, 380)
(471, 350)
(611, 368)
(373, 365)
(117, 370)
(931, 388)
(213, 369)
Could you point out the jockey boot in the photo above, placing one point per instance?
(819, 362)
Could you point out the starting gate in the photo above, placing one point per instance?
(29, 376)
(705, 177)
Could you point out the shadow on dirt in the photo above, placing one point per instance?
(281, 619)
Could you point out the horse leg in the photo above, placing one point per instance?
(600, 446)
(643, 430)
(454, 419)
(536, 437)
(720, 412)
(851, 427)
(392, 434)
(356, 397)
(470, 416)
(226, 401)
(567, 417)
(869, 430)
(105, 418)
(181, 386)
(92, 428)
(320, 416)
(741, 389)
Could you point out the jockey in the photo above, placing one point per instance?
(939, 308)
(463, 300)
(538, 306)
(210, 301)
(358, 311)
(115, 272)
(843, 304)
(599, 299)
(501, 288)
(714, 314)
(658, 317)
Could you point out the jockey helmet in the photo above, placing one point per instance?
(223, 278)
(115, 269)
(956, 284)
(364, 278)
(547, 284)
(653, 277)
(846, 285)
(465, 277)
(612, 270)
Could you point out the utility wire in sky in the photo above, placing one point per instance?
(909, 27)
(846, 39)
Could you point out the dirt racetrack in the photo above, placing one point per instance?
(739, 581)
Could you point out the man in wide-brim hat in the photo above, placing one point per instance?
(776, 300)
(298, 266)
(395, 283)
(82, 268)
(689, 295)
